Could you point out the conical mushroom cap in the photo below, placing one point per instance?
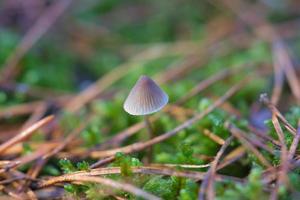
(145, 97)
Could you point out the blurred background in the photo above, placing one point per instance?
(58, 56)
(90, 38)
(67, 53)
(80, 41)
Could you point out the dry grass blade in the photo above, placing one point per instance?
(37, 114)
(248, 14)
(26, 159)
(69, 138)
(181, 165)
(168, 171)
(108, 182)
(282, 175)
(102, 162)
(139, 170)
(238, 134)
(207, 82)
(121, 136)
(263, 135)
(294, 144)
(213, 169)
(7, 181)
(213, 137)
(12, 189)
(35, 170)
(18, 148)
(142, 145)
(32, 36)
(288, 126)
(278, 75)
(180, 68)
(232, 157)
(256, 142)
(198, 59)
(28, 108)
(266, 31)
(208, 182)
(25, 133)
(32, 156)
(289, 69)
(98, 87)
(21, 109)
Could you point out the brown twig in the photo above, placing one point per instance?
(36, 115)
(26, 159)
(168, 171)
(278, 75)
(213, 137)
(289, 69)
(208, 184)
(28, 108)
(25, 133)
(232, 157)
(207, 82)
(238, 134)
(282, 175)
(21, 109)
(8, 181)
(294, 144)
(34, 171)
(257, 142)
(108, 182)
(98, 87)
(263, 29)
(263, 135)
(68, 139)
(181, 166)
(264, 98)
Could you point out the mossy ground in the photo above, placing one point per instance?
(94, 37)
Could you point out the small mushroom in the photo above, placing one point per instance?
(145, 98)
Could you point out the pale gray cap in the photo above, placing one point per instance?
(145, 97)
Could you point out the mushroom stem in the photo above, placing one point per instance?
(148, 126)
(150, 136)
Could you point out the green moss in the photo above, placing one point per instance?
(125, 163)
(67, 166)
(189, 191)
(83, 166)
(252, 190)
(165, 188)
(92, 136)
(292, 116)
(27, 149)
(8, 42)
(51, 170)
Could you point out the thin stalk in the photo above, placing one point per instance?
(150, 136)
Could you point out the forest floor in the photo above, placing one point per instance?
(231, 127)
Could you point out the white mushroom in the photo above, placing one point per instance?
(145, 97)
